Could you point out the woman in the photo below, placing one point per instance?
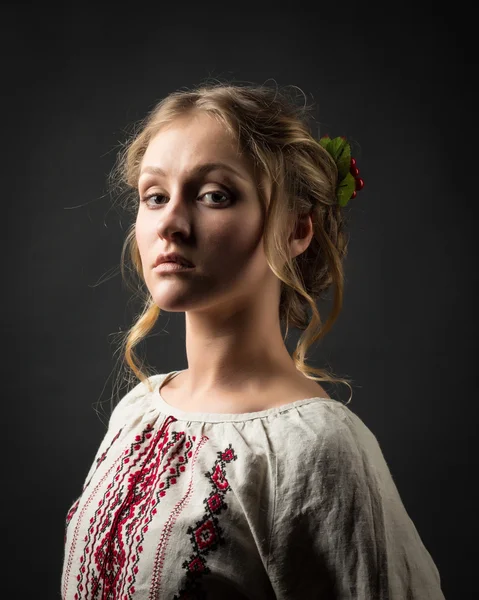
(239, 477)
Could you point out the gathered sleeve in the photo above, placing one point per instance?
(340, 529)
(125, 414)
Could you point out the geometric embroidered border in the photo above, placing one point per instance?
(206, 536)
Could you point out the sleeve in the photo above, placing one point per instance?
(123, 415)
(340, 529)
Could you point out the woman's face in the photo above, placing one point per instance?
(213, 218)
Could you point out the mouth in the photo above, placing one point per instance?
(171, 267)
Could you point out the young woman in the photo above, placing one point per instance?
(239, 477)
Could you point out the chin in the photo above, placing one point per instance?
(172, 305)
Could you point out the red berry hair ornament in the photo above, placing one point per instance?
(349, 182)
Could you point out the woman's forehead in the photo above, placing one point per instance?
(193, 143)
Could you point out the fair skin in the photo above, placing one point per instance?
(237, 360)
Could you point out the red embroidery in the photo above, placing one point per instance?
(75, 535)
(99, 460)
(155, 588)
(207, 534)
(115, 536)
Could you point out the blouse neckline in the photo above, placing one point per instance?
(208, 417)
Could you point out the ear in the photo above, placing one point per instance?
(301, 235)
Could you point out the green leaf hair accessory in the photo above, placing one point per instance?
(349, 182)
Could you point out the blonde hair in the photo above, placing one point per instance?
(275, 133)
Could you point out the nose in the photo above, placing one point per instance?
(174, 215)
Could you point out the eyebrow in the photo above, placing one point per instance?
(199, 171)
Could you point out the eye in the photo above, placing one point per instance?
(214, 197)
(146, 199)
(217, 193)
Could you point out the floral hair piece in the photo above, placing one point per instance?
(349, 182)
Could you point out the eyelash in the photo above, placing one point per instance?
(229, 198)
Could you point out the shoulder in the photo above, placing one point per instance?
(329, 460)
(323, 425)
(339, 516)
(325, 440)
(135, 402)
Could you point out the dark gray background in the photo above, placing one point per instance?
(398, 80)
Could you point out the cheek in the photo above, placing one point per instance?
(233, 245)
(142, 235)
(144, 245)
(226, 237)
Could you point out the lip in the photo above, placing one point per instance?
(171, 267)
(173, 257)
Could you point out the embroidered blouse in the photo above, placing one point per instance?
(287, 503)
